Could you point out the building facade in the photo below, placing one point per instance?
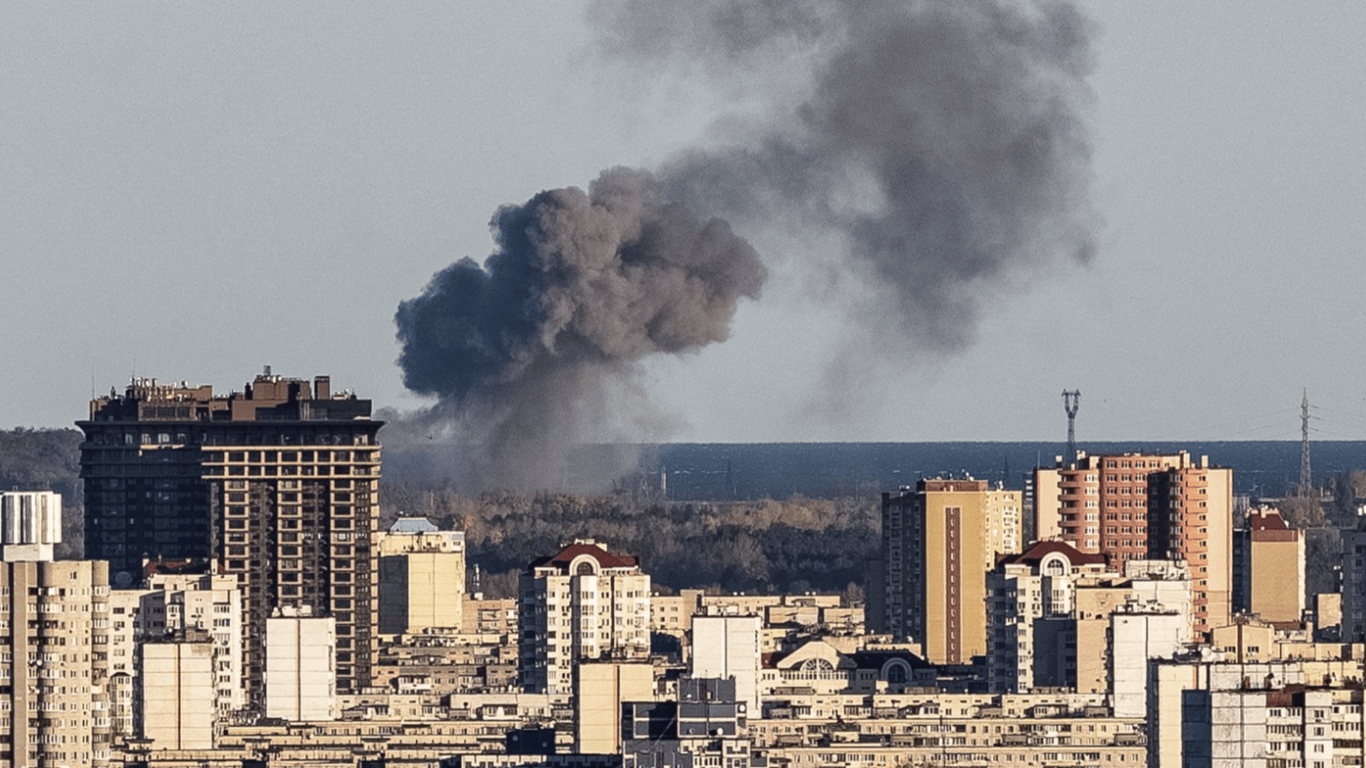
(1269, 567)
(421, 577)
(1032, 602)
(582, 603)
(938, 542)
(1146, 506)
(277, 484)
(53, 663)
(30, 524)
(300, 682)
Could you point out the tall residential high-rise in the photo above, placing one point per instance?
(938, 542)
(582, 603)
(277, 485)
(1146, 506)
(54, 618)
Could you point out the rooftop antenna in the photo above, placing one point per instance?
(1306, 476)
(1071, 401)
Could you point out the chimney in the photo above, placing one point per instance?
(322, 387)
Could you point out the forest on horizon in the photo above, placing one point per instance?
(794, 545)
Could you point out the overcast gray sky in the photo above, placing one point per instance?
(193, 191)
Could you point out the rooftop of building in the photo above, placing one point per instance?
(268, 397)
(413, 525)
(1266, 519)
(1035, 555)
(563, 559)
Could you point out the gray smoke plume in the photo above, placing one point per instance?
(938, 145)
(941, 142)
(535, 352)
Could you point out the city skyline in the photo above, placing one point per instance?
(265, 186)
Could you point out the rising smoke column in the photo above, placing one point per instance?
(536, 351)
(943, 143)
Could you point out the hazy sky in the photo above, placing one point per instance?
(193, 191)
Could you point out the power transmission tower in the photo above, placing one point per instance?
(1071, 401)
(1306, 475)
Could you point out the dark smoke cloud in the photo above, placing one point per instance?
(536, 351)
(941, 141)
(939, 146)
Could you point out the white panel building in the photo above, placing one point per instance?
(728, 647)
(30, 524)
(301, 680)
(175, 713)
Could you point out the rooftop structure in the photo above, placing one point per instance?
(276, 485)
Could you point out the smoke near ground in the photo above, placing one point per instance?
(942, 142)
(535, 351)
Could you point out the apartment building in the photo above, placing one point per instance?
(177, 604)
(421, 577)
(582, 603)
(938, 542)
(276, 484)
(1277, 714)
(1146, 506)
(1268, 565)
(54, 642)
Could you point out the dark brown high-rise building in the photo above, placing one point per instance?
(277, 485)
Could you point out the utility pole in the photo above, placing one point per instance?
(1306, 476)
(1071, 401)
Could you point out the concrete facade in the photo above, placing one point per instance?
(421, 578)
(600, 691)
(1291, 713)
(581, 604)
(277, 484)
(300, 680)
(938, 542)
(54, 663)
(30, 524)
(727, 648)
(175, 713)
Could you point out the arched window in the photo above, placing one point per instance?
(817, 665)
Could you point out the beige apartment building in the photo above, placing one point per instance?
(1269, 556)
(199, 608)
(421, 577)
(581, 604)
(938, 542)
(53, 663)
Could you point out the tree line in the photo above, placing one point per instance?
(797, 545)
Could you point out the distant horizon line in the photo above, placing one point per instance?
(1060, 441)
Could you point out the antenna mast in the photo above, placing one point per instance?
(1071, 401)
(1306, 475)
